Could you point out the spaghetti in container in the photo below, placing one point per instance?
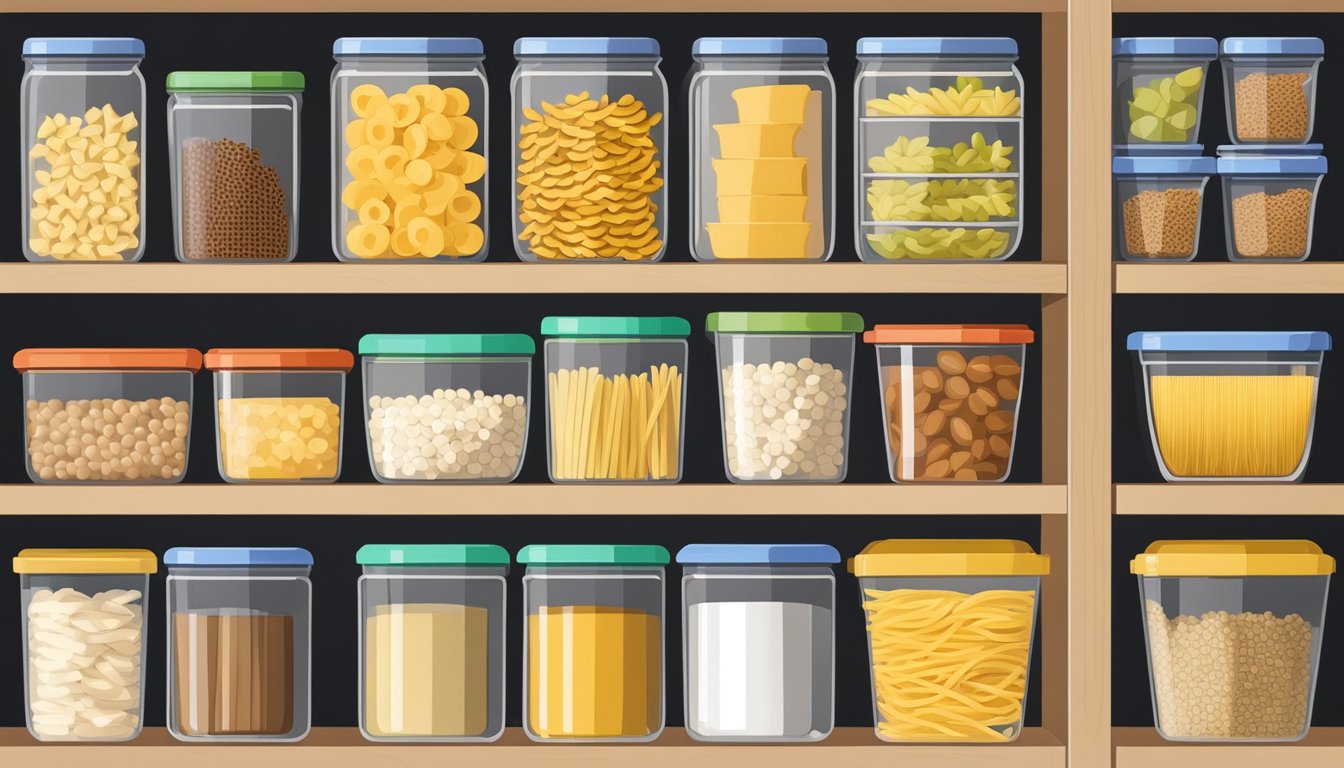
(1230, 405)
(950, 629)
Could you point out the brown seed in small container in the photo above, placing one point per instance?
(980, 370)
(1007, 389)
(1005, 366)
(950, 406)
(999, 421)
(987, 396)
(932, 380)
(951, 362)
(959, 459)
(980, 449)
(957, 387)
(934, 423)
(921, 443)
(921, 402)
(961, 431)
(967, 475)
(977, 406)
(999, 446)
(988, 467)
(892, 397)
(939, 449)
(938, 469)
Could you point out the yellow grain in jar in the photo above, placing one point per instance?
(279, 438)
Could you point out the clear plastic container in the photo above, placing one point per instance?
(1158, 204)
(1159, 89)
(950, 399)
(1234, 633)
(605, 98)
(1230, 405)
(637, 367)
(94, 600)
(83, 118)
(758, 634)
(431, 641)
(107, 415)
(1269, 200)
(239, 643)
(938, 149)
(784, 393)
(593, 646)
(950, 627)
(1270, 85)
(762, 133)
(279, 413)
(409, 134)
(233, 151)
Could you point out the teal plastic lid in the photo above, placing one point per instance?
(593, 554)
(784, 322)
(619, 327)
(432, 555)
(228, 82)
(447, 344)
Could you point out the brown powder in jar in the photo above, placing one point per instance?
(235, 673)
(1272, 226)
(233, 206)
(1272, 106)
(1162, 224)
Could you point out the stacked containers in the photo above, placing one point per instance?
(588, 149)
(431, 642)
(762, 128)
(1159, 92)
(1234, 634)
(1269, 199)
(1270, 85)
(1158, 204)
(83, 641)
(594, 642)
(409, 133)
(938, 149)
(82, 102)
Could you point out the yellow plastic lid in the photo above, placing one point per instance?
(86, 561)
(949, 557)
(1250, 557)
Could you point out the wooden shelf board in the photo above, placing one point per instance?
(1229, 277)
(533, 6)
(1226, 6)
(1230, 499)
(1144, 748)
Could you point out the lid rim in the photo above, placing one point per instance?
(79, 561)
(1229, 341)
(784, 322)
(279, 359)
(758, 554)
(235, 81)
(582, 555)
(916, 558)
(108, 359)
(760, 46)
(638, 47)
(447, 345)
(433, 555)
(1008, 334)
(237, 557)
(465, 47)
(1232, 558)
(1205, 48)
(614, 327)
(102, 47)
(986, 47)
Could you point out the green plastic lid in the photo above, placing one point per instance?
(447, 344)
(621, 327)
(235, 81)
(593, 554)
(783, 322)
(432, 554)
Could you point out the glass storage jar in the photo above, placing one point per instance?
(82, 102)
(603, 197)
(475, 390)
(107, 415)
(950, 399)
(1233, 631)
(1229, 405)
(758, 634)
(1269, 199)
(431, 642)
(233, 151)
(1158, 203)
(279, 413)
(83, 620)
(1159, 90)
(615, 395)
(594, 642)
(951, 624)
(1270, 85)
(762, 132)
(409, 137)
(784, 393)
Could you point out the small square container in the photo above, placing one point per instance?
(950, 399)
(1158, 204)
(1159, 89)
(1269, 200)
(1234, 632)
(107, 415)
(1270, 85)
(1229, 405)
(279, 413)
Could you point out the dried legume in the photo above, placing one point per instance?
(115, 440)
(452, 434)
(784, 420)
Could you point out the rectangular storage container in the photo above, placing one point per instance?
(1270, 85)
(1269, 199)
(1158, 205)
(1159, 89)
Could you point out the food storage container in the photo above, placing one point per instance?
(615, 389)
(1233, 630)
(83, 618)
(1229, 405)
(239, 643)
(107, 415)
(758, 634)
(950, 399)
(279, 413)
(233, 151)
(431, 640)
(950, 629)
(447, 407)
(784, 381)
(938, 150)
(594, 642)
(83, 114)
(1269, 200)
(1270, 84)
(409, 132)
(762, 132)
(1159, 89)
(589, 149)
(1158, 202)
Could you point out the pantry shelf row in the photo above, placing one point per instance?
(1142, 748)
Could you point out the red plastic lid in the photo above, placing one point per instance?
(950, 334)
(110, 358)
(300, 358)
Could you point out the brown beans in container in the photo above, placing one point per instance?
(233, 206)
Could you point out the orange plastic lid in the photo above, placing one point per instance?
(950, 334)
(303, 358)
(111, 358)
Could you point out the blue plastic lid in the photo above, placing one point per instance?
(759, 46)
(586, 46)
(1229, 341)
(84, 46)
(408, 46)
(237, 556)
(758, 554)
(1273, 46)
(936, 46)
(1144, 165)
(1205, 47)
(1288, 160)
